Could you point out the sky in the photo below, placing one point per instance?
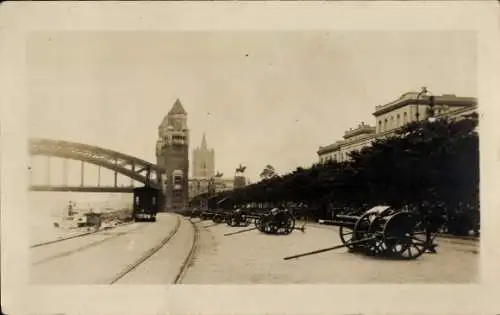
(261, 97)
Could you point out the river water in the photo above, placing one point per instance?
(47, 208)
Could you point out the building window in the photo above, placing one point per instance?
(392, 122)
(405, 118)
(385, 124)
(398, 120)
(379, 125)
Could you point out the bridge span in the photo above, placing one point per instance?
(134, 168)
(84, 189)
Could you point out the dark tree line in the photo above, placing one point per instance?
(433, 167)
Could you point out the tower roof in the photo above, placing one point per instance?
(177, 108)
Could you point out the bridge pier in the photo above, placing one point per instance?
(48, 171)
(116, 174)
(65, 172)
(82, 172)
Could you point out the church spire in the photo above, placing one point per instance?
(203, 142)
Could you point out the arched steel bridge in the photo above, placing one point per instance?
(132, 167)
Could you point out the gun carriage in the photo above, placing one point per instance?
(240, 217)
(217, 216)
(276, 221)
(381, 231)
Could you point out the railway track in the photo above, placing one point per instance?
(76, 236)
(192, 254)
(171, 251)
(145, 259)
(147, 255)
(86, 246)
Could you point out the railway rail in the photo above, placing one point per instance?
(135, 265)
(190, 257)
(62, 239)
(86, 246)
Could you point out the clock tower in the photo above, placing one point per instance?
(172, 154)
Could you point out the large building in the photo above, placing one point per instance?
(201, 185)
(203, 160)
(172, 154)
(408, 108)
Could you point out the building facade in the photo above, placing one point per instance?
(203, 160)
(201, 185)
(172, 154)
(408, 108)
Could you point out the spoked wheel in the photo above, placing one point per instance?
(289, 225)
(375, 247)
(273, 228)
(217, 219)
(259, 224)
(246, 221)
(362, 230)
(229, 219)
(402, 238)
(346, 236)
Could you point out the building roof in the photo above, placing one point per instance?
(177, 109)
(411, 98)
(359, 130)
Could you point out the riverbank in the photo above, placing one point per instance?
(50, 228)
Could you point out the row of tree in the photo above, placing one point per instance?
(431, 166)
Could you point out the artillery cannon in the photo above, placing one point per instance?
(194, 213)
(206, 215)
(277, 222)
(239, 218)
(381, 231)
(217, 216)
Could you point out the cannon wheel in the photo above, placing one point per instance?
(362, 230)
(346, 236)
(216, 219)
(246, 220)
(259, 224)
(409, 241)
(376, 247)
(290, 225)
(230, 220)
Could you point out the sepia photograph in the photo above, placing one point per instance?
(249, 158)
(296, 157)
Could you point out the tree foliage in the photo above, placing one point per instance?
(268, 172)
(436, 164)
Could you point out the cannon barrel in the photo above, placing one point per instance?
(382, 231)
(327, 249)
(242, 231)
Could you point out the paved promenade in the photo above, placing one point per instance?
(157, 253)
(256, 258)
